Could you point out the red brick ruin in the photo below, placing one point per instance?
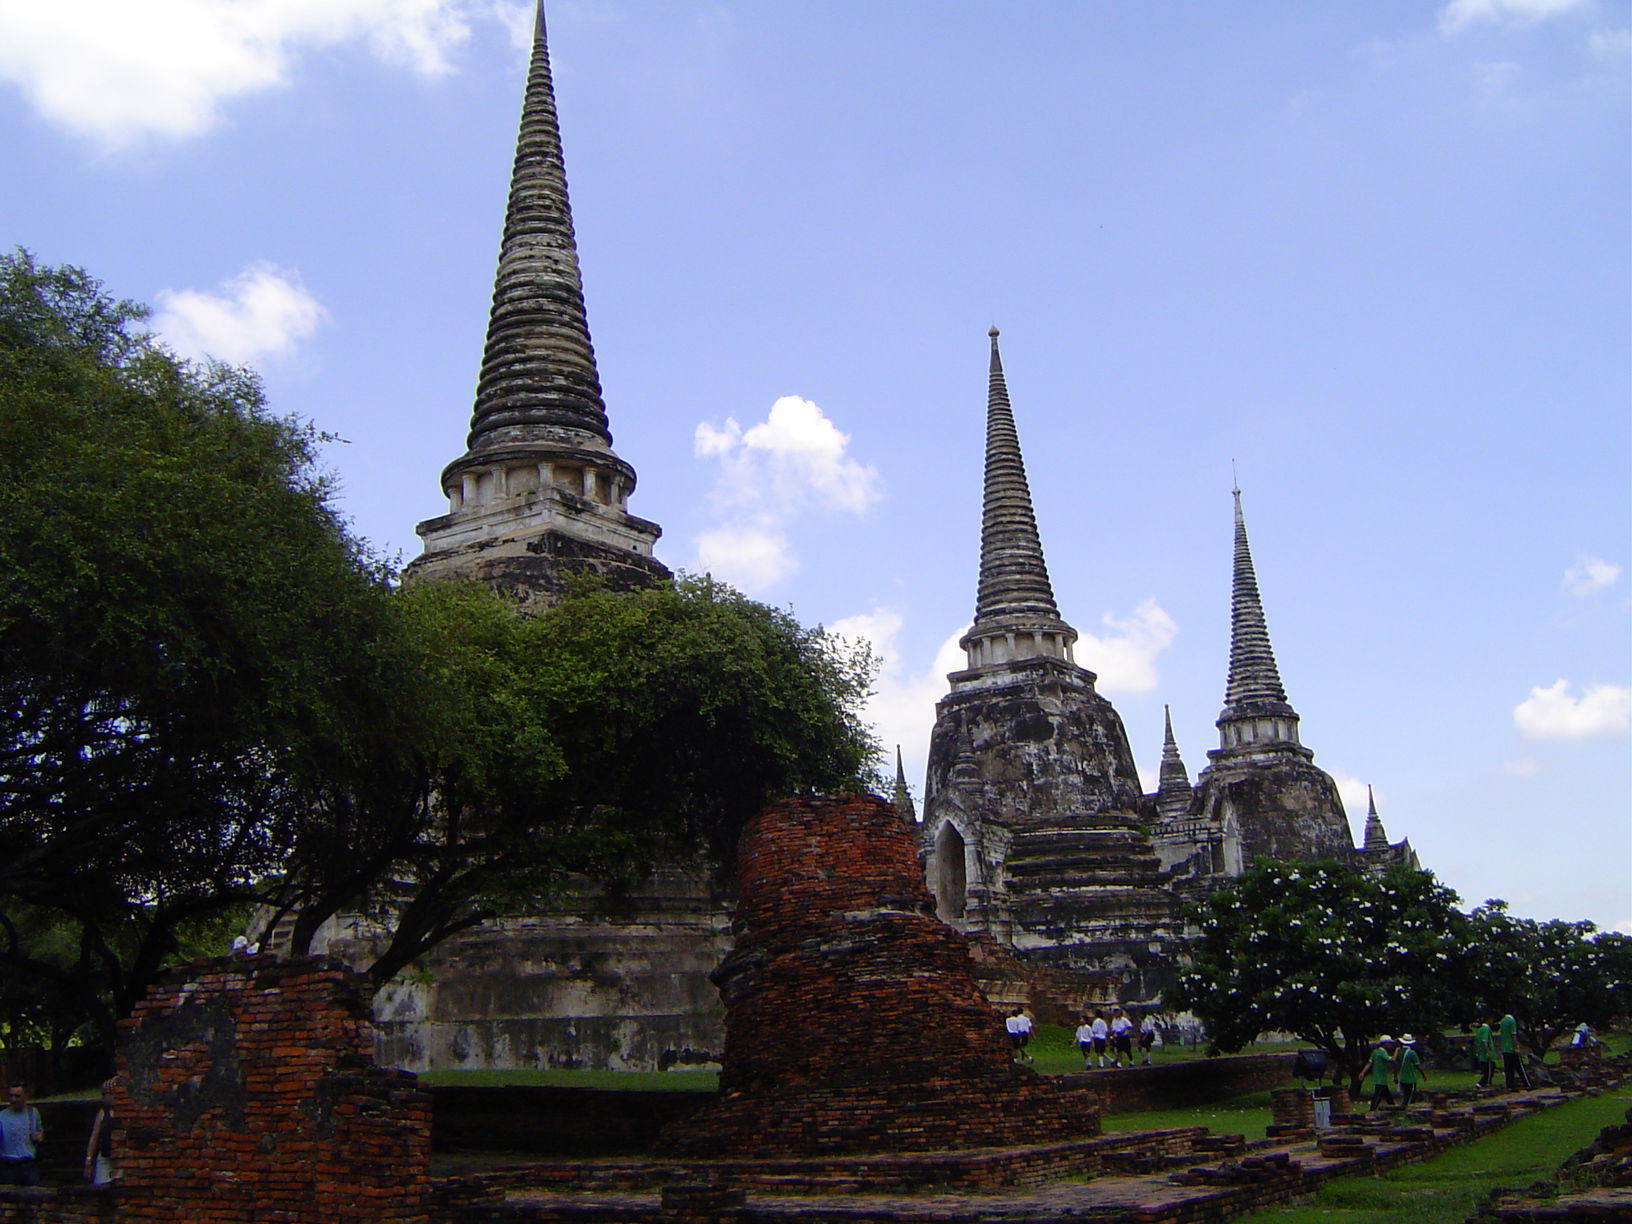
(853, 1021)
(247, 1091)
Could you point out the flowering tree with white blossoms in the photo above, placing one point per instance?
(1324, 952)
(1551, 975)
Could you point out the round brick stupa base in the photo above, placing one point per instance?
(853, 1022)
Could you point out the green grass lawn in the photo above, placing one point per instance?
(1246, 1115)
(1446, 1189)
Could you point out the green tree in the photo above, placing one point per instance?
(187, 633)
(1551, 975)
(212, 697)
(597, 737)
(1325, 952)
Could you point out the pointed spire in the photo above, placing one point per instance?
(538, 368)
(539, 492)
(1173, 791)
(1376, 838)
(1013, 575)
(903, 796)
(1015, 613)
(1253, 675)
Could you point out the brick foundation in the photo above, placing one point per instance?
(247, 1092)
(853, 1021)
(72, 1205)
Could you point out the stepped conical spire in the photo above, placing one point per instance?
(1014, 604)
(538, 368)
(903, 797)
(1013, 575)
(1376, 838)
(539, 492)
(1173, 792)
(1253, 675)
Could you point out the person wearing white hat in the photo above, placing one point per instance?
(1411, 1069)
(1382, 1066)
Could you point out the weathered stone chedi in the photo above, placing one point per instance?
(1036, 832)
(1033, 807)
(1035, 828)
(539, 493)
(853, 1022)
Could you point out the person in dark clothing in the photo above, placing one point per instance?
(99, 1150)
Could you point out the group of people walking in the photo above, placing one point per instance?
(1506, 1043)
(1398, 1061)
(1100, 1039)
(1104, 1043)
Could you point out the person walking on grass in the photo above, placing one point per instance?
(1019, 1026)
(1085, 1041)
(1147, 1038)
(1484, 1053)
(1382, 1068)
(1101, 1034)
(1507, 1041)
(1411, 1071)
(1121, 1037)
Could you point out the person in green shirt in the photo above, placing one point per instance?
(1507, 1033)
(1411, 1069)
(1382, 1066)
(1484, 1053)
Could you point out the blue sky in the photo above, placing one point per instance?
(1378, 256)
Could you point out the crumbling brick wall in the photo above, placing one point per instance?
(853, 1021)
(247, 1092)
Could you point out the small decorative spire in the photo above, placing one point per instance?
(903, 797)
(1173, 791)
(1376, 838)
(539, 366)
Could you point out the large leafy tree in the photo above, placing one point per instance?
(186, 630)
(212, 697)
(1325, 952)
(1551, 975)
(599, 736)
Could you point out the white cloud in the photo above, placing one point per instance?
(1611, 44)
(748, 557)
(1458, 15)
(1125, 658)
(1552, 713)
(1589, 575)
(794, 457)
(902, 706)
(1354, 794)
(262, 312)
(769, 474)
(116, 72)
(1498, 75)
